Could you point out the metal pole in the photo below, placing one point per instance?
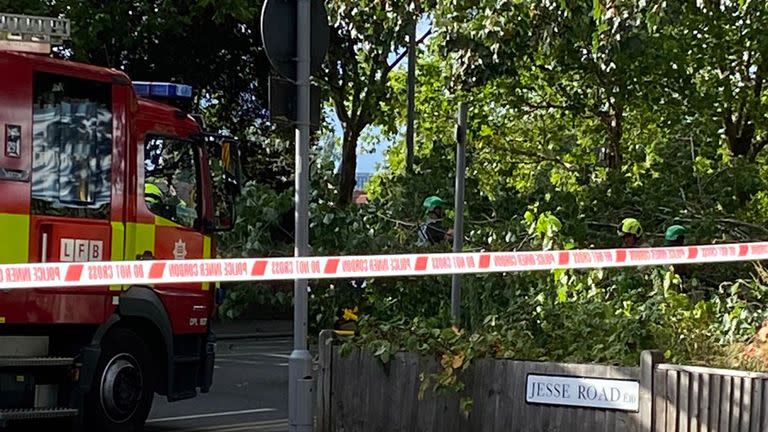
(300, 386)
(409, 132)
(458, 223)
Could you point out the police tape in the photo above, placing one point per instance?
(62, 275)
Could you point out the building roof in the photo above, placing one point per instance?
(359, 197)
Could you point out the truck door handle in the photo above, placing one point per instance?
(44, 249)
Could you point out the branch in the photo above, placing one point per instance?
(713, 176)
(363, 111)
(356, 108)
(341, 109)
(549, 105)
(602, 224)
(488, 220)
(402, 55)
(744, 224)
(758, 146)
(543, 158)
(742, 116)
(334, 86)
(759, 79)
(397, 222)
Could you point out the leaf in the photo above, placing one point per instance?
(465, 404)
(446, 360)
(383, 348)
(597, 10)
(458, 361)
(562, 293)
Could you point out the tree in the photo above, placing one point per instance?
(364, 35)
(590, 60)
(728, 47)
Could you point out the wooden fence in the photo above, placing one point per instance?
(359, 393)
(697, 399)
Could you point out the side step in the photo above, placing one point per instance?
(7, 415)
(15, 362)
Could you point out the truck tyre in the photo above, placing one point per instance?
(123, 386)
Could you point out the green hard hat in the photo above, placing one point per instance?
(431, 203)
(630, 226)
(152, 193)
(674, 232)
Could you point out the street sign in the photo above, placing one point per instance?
(601, 393)
(278, 34)
(283, 102)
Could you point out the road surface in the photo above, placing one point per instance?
(250, 392)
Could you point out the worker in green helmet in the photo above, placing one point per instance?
(432, 231)
(169, 206)
(152, 194)
(675, 236)
(631, 233)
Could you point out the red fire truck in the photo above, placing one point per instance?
(93, 167)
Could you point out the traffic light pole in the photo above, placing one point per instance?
(301, 384)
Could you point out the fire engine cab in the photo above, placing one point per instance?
(96, 167)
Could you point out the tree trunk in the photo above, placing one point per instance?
(614, 127)
(739, 139)
(348, 165)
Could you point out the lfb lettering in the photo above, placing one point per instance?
(79, 250)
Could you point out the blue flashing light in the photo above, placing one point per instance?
(165, 90)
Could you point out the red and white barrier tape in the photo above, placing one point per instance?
(58, 275)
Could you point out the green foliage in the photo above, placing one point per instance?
(257, 300)
(258, 231)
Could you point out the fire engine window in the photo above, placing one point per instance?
(170, 179)
(72, 147)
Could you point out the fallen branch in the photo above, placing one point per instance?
(744, 224)
(398, 222)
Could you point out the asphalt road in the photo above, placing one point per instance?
(250, 392)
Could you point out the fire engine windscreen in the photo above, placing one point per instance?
(171, 179)
(72, 147)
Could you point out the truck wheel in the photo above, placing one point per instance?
(123, 386)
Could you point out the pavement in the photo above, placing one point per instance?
(250, 391)
(257, 329)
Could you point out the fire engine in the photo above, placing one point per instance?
(96, 167)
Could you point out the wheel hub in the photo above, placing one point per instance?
(121, 387)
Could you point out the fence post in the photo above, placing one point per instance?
(648, 361)
(325, 349)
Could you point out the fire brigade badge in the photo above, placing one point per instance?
(13, 141)
(180, 250)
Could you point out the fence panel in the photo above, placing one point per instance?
(697, 399)
(359, 393)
